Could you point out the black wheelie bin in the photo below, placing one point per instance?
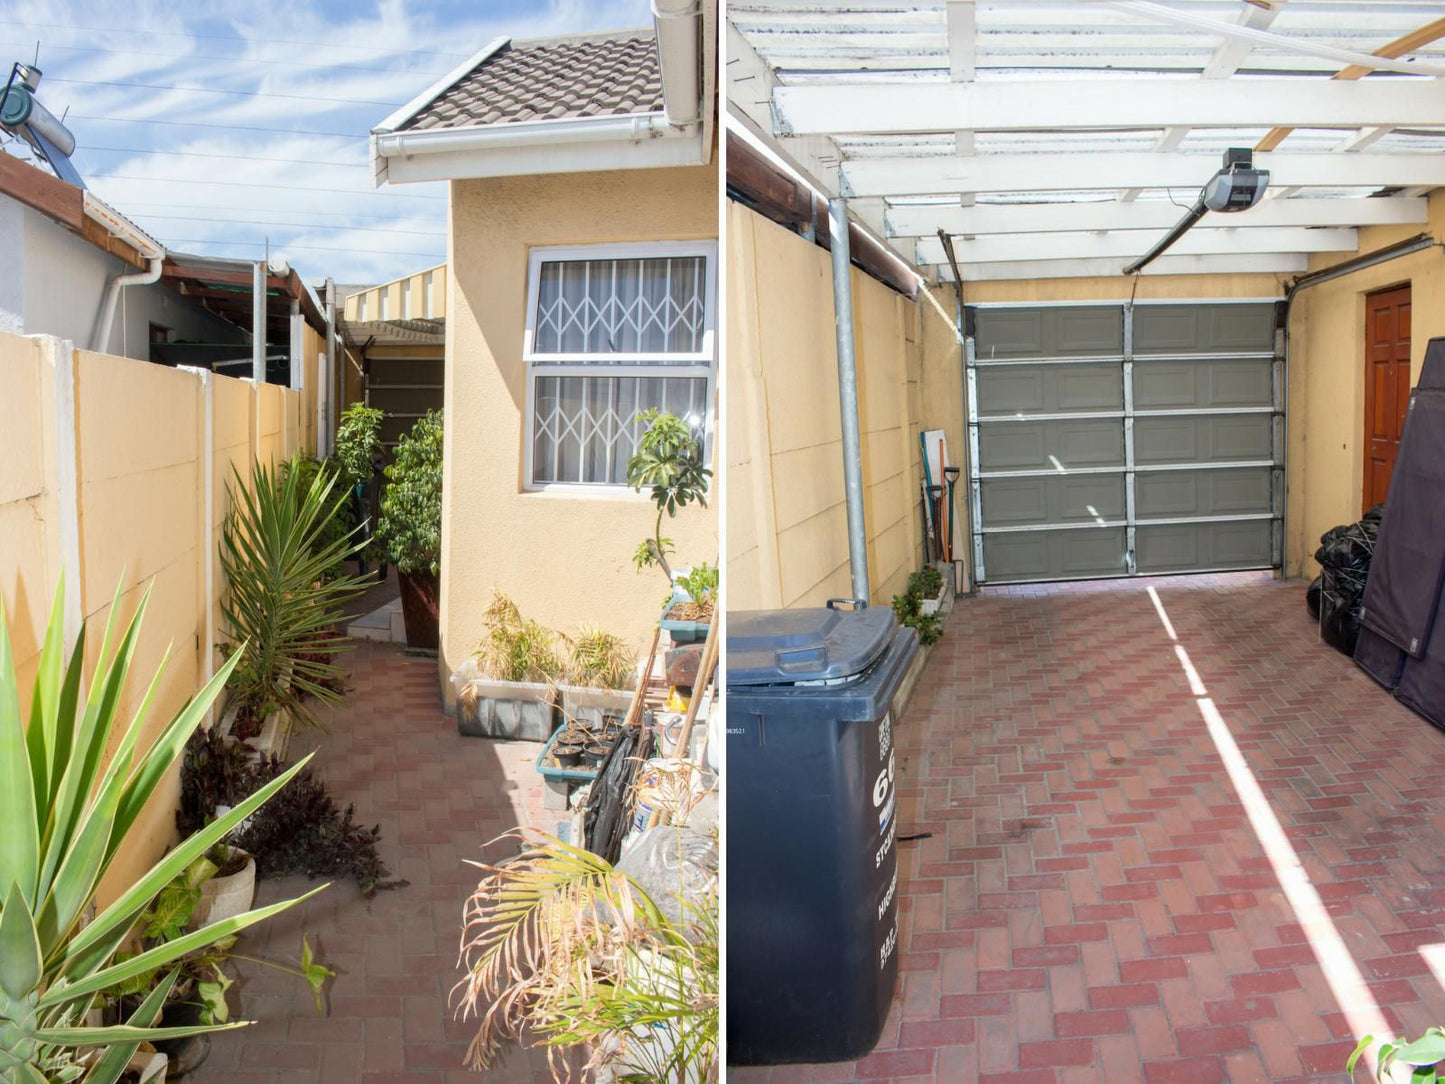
(812, 873)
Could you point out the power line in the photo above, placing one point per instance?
(228, 127)
(230, 59)
(257, 184)
(238, 37)
(294, 225)
(240, 157)
(218, 209)
(213, 90)
(313, 248)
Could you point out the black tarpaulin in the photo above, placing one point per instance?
(1403, 592)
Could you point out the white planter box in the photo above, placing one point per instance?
(515, 710)
(226, 897)
(274, 739)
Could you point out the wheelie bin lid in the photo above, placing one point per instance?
(817, 644)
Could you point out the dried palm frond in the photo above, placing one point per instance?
(600, 660)
(516, 648)
(562, 950)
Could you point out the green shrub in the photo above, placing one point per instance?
(358, 444)
(410, 531)
(926, 583)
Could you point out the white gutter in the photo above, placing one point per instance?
(637, 127)
(125, 230)
(678, 51)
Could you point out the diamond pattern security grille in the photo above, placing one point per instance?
(624, 307)
(584, 429)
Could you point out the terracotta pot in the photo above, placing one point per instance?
(420, 602)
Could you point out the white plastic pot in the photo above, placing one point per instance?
(226, 897)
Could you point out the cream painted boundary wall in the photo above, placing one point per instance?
(117, 475)
(787, 523)
(564, 559)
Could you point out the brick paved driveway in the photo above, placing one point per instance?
(1094, 903)
(438, 797)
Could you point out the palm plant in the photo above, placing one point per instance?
(276, 551)
(65, 812)
(564, 950)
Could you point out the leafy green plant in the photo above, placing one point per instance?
(410, 531)
(669, 464)
(561, 949)
(600, 660)
(201, 975)
(1423, 1057)
(927, 582)
(909, 609)
(700, 583)
(303, 831)
(516, 648)
(336, 528)
(358, 444)
(280, 605)
(65, 812)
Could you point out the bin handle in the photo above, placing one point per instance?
(855, 603)
(795, 658)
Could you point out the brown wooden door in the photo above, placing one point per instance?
(1387, 386)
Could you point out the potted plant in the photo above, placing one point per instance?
(669, 465)
(56, 966)
(929, 585)
(356, 458)
(283, 600)
(909, 609)
(230, 889)
(687, 615)
(410, 532)
(508, 688)
(598, 679)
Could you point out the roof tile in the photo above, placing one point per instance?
(551, 79)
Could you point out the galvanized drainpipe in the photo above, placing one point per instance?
(258, 322)
(848, 397)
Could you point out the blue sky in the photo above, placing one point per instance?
(216, 126)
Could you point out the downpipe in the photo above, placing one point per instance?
(112, 298)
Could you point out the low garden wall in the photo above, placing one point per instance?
(116, 471)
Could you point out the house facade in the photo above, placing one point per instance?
(581, 291)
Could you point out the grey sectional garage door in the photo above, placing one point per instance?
(1109, 440)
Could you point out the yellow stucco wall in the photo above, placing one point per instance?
(141, 520)
(1327, 377)
(565, 559)
(787, 523)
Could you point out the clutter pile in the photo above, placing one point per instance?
(1336, 598)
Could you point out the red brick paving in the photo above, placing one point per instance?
(438, 798)
(1093, 900)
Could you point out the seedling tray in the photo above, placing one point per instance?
(569, 775)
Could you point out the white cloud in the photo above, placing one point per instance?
(188, 163)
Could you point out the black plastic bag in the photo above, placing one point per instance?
(1349, 547)
(1312, 597)
(1341, 603)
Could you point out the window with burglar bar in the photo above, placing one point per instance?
(612, 331)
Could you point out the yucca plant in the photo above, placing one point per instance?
(72, 785)
(563, 950)
(280, 604)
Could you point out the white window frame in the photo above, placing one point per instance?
(699, 365)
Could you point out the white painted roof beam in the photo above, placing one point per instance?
(1268, 263)
(1128, 244)
(1226, 60)
(1079, 172)
(982, 219)
(1065, 105)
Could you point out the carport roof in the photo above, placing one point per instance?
(1055, 137)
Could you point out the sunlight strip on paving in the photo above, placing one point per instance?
(1361, 1010)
